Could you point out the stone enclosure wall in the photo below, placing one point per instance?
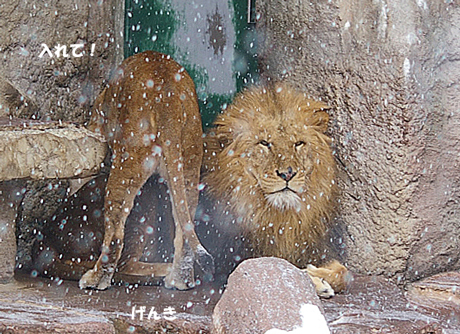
(390, 70)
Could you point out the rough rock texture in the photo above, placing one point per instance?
(372, 305)
(377, 305)
(263, 294)
(10, 198)
(439, 295)
(14, 103)
(48, 150)
(37, 305)
(32, 212)
(390, 70)
(63, 87)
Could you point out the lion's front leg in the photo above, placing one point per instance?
(330, 278)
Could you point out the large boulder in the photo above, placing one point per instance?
(390, 71)
(268, 295)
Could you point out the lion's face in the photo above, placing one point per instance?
(274, 141)
(280, 161)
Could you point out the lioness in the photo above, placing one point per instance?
(269, 162)
(149, 114)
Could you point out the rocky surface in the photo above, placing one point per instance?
(264, 294)
(390, 71)
(377, 305)
(33, 211)
(14, 103)
(439, 296)
(372, 305)
(33, 304)
(10, 198)
(62, 86)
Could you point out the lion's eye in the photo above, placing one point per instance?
(265, 143)
(299, 143)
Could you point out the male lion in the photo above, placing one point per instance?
(149, 114)
(269, 161)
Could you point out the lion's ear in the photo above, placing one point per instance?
(224, 140)
(222, 135)
(319, 117)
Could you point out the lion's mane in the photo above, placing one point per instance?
(267, 130)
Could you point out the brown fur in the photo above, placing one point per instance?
(266, 137)
(150, 117)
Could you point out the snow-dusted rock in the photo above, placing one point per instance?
(268, 296)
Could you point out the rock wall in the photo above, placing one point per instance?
(62, 87)
(41, 83)
(390, 70)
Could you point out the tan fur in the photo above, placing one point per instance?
(333, 272)
(150, 117)
(323, 288)
(266, 137)
(330, 278)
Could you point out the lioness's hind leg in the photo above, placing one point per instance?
(192, 156)
(183, 153)
(187, 247)
(123, 184)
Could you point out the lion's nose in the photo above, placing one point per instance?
(286, 176)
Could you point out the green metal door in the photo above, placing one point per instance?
(212, 39)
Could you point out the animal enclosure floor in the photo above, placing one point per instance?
(40, 305)
(372, 305)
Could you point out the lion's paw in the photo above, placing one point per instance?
(323, 288)
(95, 279)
